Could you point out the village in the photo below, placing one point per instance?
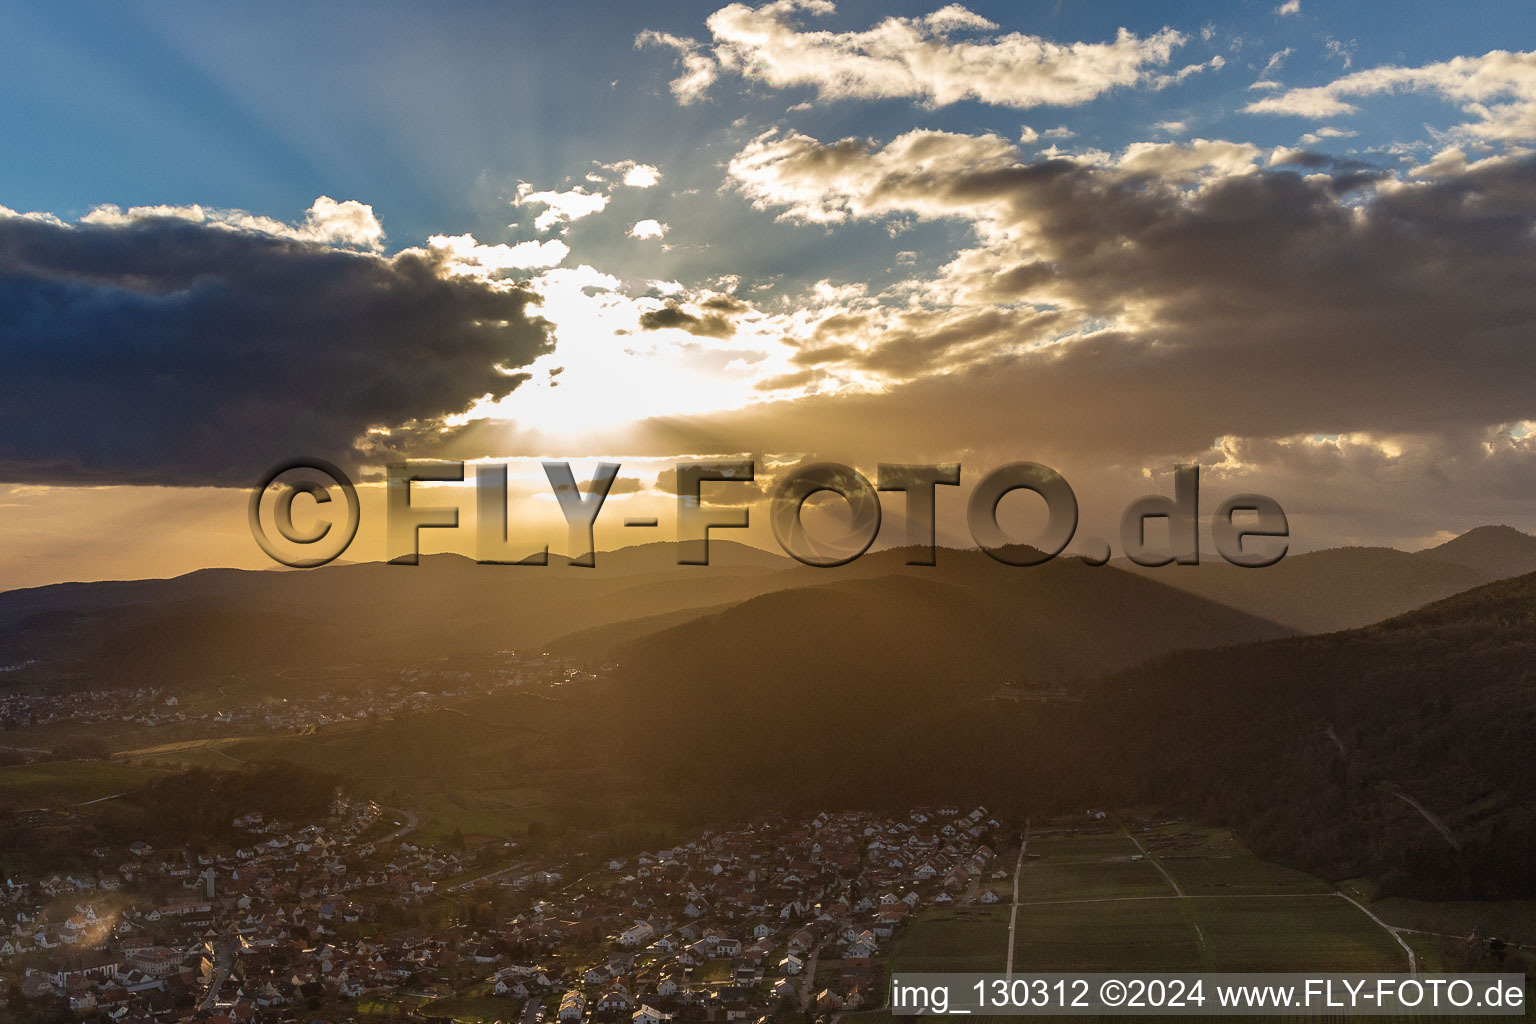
(209, 712)
(347, 918)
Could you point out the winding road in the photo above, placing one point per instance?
(1013, 913)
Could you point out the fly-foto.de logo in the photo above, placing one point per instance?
(1248, 530)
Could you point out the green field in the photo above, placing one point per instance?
(1081, 880)
(1086, 905)
(67, 783)
(972, 938)
(1143, 935)
(473, 1009)
(1239, 875)
(1514, 920)
(1063, 847)
(1294, 933)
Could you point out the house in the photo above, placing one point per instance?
(637, 935)
(649, 1015)
(791, 964)
(861, 950)
(573, 1006)
(614, 1000)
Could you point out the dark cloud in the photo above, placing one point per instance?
(735, 492)
(713, 325)
(163, 351)
(795, 379)
(1358, 353)
(1262, 303)
(620, 485)
(825, 354)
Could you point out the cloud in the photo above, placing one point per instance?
(560, 207)
(1276, 61)
(938, 59)
(1498, 89)
(1288, 8)
(632, 174)
(727, 492)
(347, 223)
(461, 254)
(1341, 51)
(164, 347)
(809, 181)
(1183, 288)
(1314, 137)
(699, 69)
(711, 321)
(641, 176)
(649, 228)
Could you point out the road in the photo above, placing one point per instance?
(1424, 812)
(521, 865)
(1155, 862)
(808, 972)
(1013, 913)
(1396, 933)
(411, 822)
(1435, 821)
(223, 964)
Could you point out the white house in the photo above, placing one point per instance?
(637, 934)
(573, 1006)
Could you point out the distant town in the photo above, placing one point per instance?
(417, 688)
(325, 920)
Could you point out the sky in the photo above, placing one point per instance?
(1291, 242)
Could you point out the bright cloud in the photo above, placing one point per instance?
(327, 221)
(560, 207)
(463, 255)
(941, 58)
(1498, 89)
(632, 174)
(648, 228)
(1314, 137)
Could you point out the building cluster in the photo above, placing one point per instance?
(211, 713)
(734, 925)
(311, 921)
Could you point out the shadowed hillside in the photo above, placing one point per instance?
(1342, 588)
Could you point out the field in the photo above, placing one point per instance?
(1294, 933)
(1142, 934)
(1514, 920)
(63, 784)
(1092, 898)
(473, 1009)
(964, 938)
